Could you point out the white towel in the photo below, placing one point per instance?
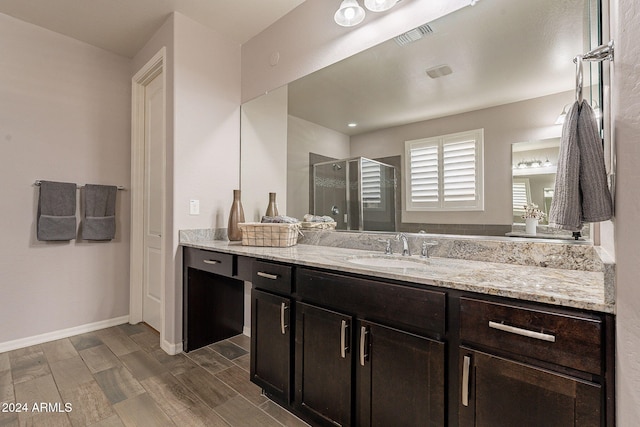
(581, 192)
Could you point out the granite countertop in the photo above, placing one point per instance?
(562, 287)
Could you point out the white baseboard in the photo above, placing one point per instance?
(62, 333)
(246, 330)
(171, 349)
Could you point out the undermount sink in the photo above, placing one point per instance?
(398, 261)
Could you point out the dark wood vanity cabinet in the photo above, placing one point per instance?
(400, 378)
(350, 370)
(347, 350)
(271, 332)
(499, 392)
(529, 367)
(213, 297)
(324, 365)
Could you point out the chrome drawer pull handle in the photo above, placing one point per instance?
(363, 344)
(523, 332)
(466, 364)
(267, 275)
(211, 261)
(283, 326)
(343, 339)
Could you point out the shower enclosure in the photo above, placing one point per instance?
(358, 193)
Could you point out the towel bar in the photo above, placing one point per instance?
(38, 181)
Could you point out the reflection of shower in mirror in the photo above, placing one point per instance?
(358, 193)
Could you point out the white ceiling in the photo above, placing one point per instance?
(500, 51)
(124, 26)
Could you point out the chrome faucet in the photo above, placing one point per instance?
(387, 246)
(405, 244)
(424, 253)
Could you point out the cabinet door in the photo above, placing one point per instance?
(323, 365)
(498, 392)
(400, 378)
(271, 344)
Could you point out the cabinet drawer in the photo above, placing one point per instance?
(567, 340)
(412, 309)
(273, 277)
(213, 262)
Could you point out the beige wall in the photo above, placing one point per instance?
(626, 123)
(530, 120)
(203, 130)
(64, 116)
(264, 153)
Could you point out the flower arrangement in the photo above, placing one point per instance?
(531, 211)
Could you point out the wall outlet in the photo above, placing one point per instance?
(194, 207)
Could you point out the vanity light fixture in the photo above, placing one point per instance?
(379, 5)
(349, 14)
(563, 115)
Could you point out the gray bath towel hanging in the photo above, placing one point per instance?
(581, 193)
(99, 222)
(56, 218)
(596, 198)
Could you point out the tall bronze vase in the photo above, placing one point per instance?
(272, 207)
(235, 216)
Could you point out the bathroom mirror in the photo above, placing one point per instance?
(501, 66)
(534, 166)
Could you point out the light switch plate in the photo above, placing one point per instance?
(194, 207)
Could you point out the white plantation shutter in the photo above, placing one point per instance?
(424, 175)
(445, 172)
(371, 183)
(521, 195)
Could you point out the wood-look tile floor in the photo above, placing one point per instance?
(121, 377)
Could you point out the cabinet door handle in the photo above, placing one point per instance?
(363, 345)
(523, 332)
(283, 325)
(211, 261)
(466, 366)
(344, 347)
(267, 275)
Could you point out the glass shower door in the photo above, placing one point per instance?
(330, 191)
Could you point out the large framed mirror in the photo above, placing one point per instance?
(499, 66)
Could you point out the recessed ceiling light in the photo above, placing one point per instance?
(352, 125)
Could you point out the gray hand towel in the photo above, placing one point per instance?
(56, 219)
(596, 198)
(581, 192)
(99, 222)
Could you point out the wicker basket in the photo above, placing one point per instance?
(278, 235)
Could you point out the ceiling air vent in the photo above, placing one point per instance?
(413, 35)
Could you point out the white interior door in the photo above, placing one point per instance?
(154, 171)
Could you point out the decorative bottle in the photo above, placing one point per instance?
(272, 207)
(235, 216)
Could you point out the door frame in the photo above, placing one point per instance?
(154, 67)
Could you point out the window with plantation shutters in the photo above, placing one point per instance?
(371, 183)
(445, 172)
(521, 195)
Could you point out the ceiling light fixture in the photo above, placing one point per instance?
(352, 125)
(349, 14)
(379, 5)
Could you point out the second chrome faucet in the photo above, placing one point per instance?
(406, 251)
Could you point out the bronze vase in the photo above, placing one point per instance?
(235, 216)
(272, 207)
